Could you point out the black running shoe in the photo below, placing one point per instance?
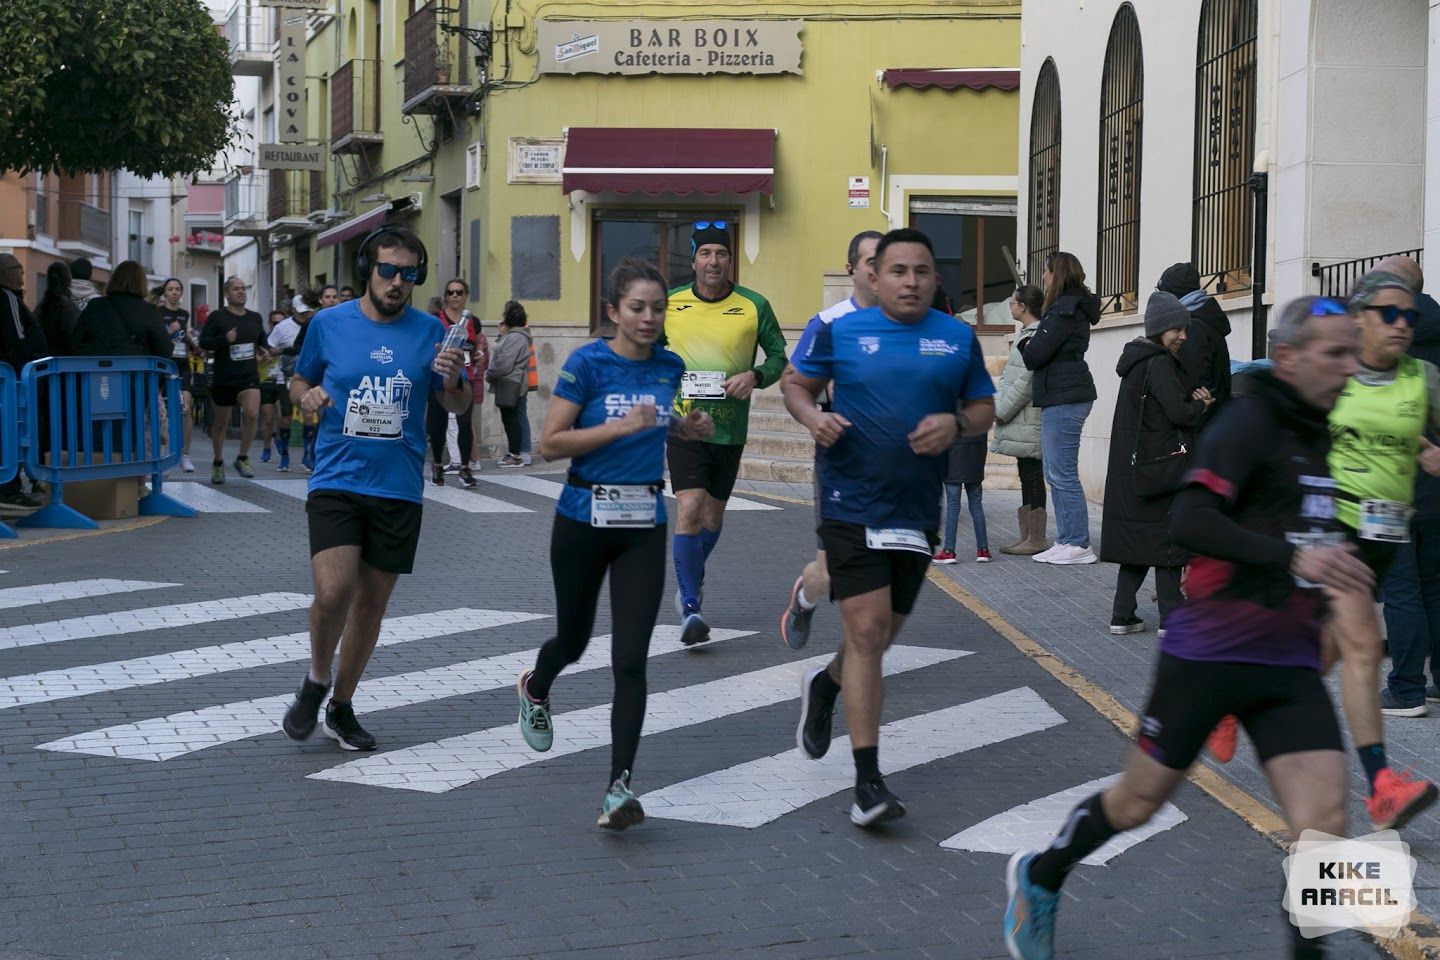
(342, 727)
(874, 803)
(817, 714)
(301, 716)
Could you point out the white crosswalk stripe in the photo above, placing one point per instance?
(461, 499)
(290, 486)
(1032, 825)
(206, 499)
(456, 761)
(551, 490)
(12, 597)
(226, 657)
(165, 738)
(150, 618)
(756, 793)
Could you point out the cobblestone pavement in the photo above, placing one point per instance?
(152, 809)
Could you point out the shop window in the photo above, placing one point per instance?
(535, 258)
(660, 236)
(1044, 181)
(974, 242)
(1122, 108)
(1222, 228)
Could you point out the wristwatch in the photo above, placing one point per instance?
(759, 377)
(961, 422)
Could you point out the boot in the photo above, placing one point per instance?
(1022, 518)
(1035, 541)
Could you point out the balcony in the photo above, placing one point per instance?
(249, 33)
(291, 196)
(246, 196)
(436, 70)
(355, 107)
(84, 228)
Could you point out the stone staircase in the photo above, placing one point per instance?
(779, 449)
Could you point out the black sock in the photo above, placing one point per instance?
(1084, 832)
(339, 703)
(826, 686)
(219, 463)
(1372, 758)
(867, 764)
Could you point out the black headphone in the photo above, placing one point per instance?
(363, 256)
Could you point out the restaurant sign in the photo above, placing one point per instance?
(669, 46)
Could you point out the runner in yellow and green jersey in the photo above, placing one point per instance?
(717, 328)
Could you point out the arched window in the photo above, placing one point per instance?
(1222, 227)
(1122, 107)
(1044, 171)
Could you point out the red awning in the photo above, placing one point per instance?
(948, 78)
(669, 160)
(354, 227)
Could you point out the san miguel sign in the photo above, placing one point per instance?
(290, 77)
(669, 46)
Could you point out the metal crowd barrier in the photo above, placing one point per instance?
(10, 429)
(99, 418)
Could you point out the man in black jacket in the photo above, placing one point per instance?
(1205, 357)
(21, 341)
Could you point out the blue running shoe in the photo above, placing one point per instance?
(265, 454)
(285, 461)
(694, 630)
(620, 808)
(535, 724)
(1029, 913)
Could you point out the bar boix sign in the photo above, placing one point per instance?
(669, 46)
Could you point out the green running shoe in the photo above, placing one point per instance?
(620, 808)
(534, 718)
(217, 473)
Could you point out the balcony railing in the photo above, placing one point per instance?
(436, 69)
(246, 197)
(355, 107)
(82, 222)
(250, 36)
(1336, 279)
(293, 194)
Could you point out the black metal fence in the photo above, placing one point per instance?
(1336, 279)
(1222, 227)
(1044, 227)
(1122, 110)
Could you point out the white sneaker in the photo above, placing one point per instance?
(474, 466)
(1045, 556)
(525, 460)
(1072, 555)
(187, 465)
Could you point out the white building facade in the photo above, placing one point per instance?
(1280, 145)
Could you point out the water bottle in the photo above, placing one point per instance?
(455, 339)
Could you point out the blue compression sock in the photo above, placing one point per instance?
(708, 539)
(689, 569)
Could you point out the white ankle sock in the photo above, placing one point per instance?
(805, 604)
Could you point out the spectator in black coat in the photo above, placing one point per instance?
(21, 341)
(122, 323)
(57, 312)
(1205, 356)
(1135, 532)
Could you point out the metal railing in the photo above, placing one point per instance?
(1044, 171)
(294, 193)
(246, 197)
(355, 101)
(432, 52)
(1122, 112)
(249, 31)
(83, 222)
(1336, 279)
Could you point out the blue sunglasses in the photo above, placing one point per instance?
(1390, 313)
(387, 271)
(707, 224)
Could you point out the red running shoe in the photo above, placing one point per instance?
(944, 556)
(1398, 797)
(1221, 742)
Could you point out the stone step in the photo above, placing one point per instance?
(779, 446)
(768, 399)
(772, 421)
(999, 474)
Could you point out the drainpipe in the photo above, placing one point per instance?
(1259, 312)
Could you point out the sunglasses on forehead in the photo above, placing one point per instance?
(387, 271)
(1327, 307)
(707, 224)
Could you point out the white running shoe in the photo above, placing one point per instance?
(1068, 555)
(187, 464)
(1044, 556)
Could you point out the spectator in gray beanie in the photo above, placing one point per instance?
(1204, 356)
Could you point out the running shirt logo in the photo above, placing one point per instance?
(931, 347)
(733, 312)
(383, 355)
(869, 344)
(385, 390)
(618, 405)
(1318, 502)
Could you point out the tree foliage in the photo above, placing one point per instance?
(94, 85)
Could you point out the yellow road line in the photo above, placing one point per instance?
(1420, 940)
(139, 523)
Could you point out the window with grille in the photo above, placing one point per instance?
(1222, 227)
(1122, 107)
(1044, 172)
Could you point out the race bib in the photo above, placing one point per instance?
(1315, 538)
(178, 350)
(622, 506)
(1384, 520)
(376, 421)
(242, 351)
(915, 541)
(703, 385)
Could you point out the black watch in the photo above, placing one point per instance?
(759, 377)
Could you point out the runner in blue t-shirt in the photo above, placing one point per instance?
(368, 368)
(611, 413)
(907, 380)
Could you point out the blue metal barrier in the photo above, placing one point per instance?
(10, 430)
(98, 418)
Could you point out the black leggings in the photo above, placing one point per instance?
(1127, 585)
(1032, 482)
(437, 421)
(510, 420)
(579, 557)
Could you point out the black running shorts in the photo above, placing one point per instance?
(270, 393)
(1378, 555)
(228, 394)
(1283, 709)
(386, 531)
(697, 465)
(856, 569)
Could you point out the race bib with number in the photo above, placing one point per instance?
(1384, 520)
(703, 385)
(1318, 538)
(375, 421)
(178, 350)
(242, 351)
(622, 506)
(914, 541)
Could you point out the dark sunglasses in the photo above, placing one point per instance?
(454, 293)
(1390, 313)
(387, 271)
(706, 224)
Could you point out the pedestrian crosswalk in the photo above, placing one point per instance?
(748, 795)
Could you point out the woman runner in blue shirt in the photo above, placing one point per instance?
(611, 414)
